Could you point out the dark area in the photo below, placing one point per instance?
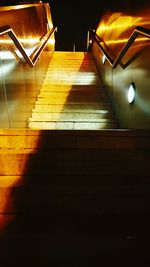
(77, 208)
(73, 18)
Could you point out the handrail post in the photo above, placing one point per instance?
(31, 62)
(88, 41)
(74, 47)
(114, 63)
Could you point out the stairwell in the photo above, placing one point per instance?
(78, 197)
(72, 96)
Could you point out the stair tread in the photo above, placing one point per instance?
(71, 102)
(72, 82)
(73, 105)
(65, 111)
(72, 125)
(56, 109)
(70, 117)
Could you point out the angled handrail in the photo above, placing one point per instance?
(114, 63)
(36, 53)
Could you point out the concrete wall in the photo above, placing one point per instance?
(115, 30)
(20, 83)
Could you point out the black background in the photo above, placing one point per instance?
(73, 18)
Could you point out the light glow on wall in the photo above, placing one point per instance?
(126, 39)
(51, 41)
(115, 30)
(21, 40)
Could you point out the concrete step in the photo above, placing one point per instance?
(74, 156)
(70, 125)
(71, 68)
(53, 163)
(78, 101)
(71, 82)
(67, 199)
(11, 139)
(65, 179)
(79, 108)
(50, 109)
(76, 239)
(67, 54)
(70, 97)
(71, 116)
(72, 93)
(77, 88)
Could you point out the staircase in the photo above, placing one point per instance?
(72, 96)
(74, 198)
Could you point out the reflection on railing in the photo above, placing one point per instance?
(109, 54)
(32, 59)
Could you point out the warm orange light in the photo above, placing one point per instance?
(125, 40)
(21, 40)
(13, 145)
(51, 41)
(62, 77)
(115, 30)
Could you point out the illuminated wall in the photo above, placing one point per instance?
(115, 30)
(19, 83)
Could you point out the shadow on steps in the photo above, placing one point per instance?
(79, 206)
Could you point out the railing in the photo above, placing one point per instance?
(32, 59)
(114, 63)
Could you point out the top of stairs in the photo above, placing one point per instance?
(72, 96)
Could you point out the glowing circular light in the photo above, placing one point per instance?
(131, 93)
(103, 59)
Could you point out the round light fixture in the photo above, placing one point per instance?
(131, 93)
(103, 59)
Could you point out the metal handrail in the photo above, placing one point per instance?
(36, 53)
(114, 63)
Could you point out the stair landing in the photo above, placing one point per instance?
(72, 96)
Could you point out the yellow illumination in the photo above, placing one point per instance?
(5, 41)
(57, 107)
(51, 41)
(5, 202)
(82, 78)
(117, 27)
(125, 40)
(57, 76)
(21, 40)
(13, 143)
(117, 22)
